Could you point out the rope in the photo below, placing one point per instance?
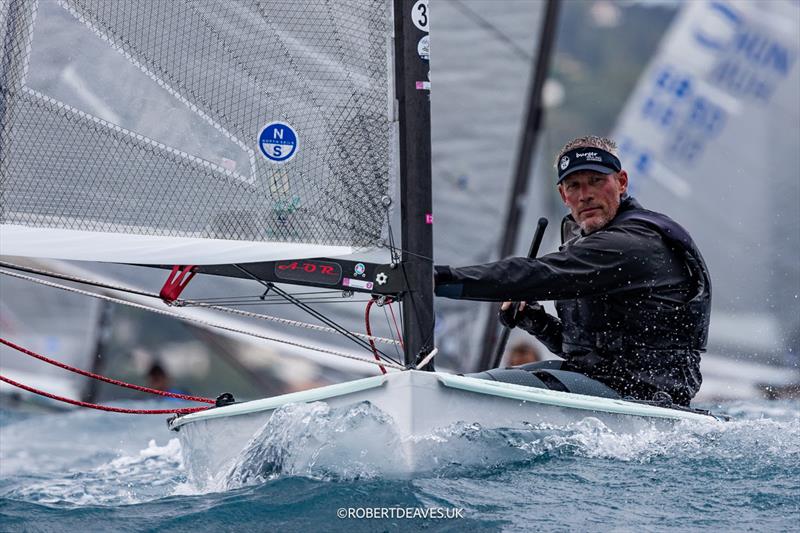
(310, 310)
(103, 378)
(76, 279)
(198, 321)
(396, 327)
(389, 325)
(369, 332)
(182, 411)
(427, 358)
(288, 322)
(183, 303)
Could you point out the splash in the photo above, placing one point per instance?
(318, 441)
(361, 442)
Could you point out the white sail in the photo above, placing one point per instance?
(194, 132)
(711, 136)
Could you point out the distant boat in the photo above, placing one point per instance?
(711, 133)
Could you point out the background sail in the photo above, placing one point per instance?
(138, 142)
(482, 54)
(710, 136)
(48, 322)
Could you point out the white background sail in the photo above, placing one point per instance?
(711, 137)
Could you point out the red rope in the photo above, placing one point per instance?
(396, 327)
(369, 332)
(107, 380)
(183, 411)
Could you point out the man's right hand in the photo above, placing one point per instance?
(530, 317)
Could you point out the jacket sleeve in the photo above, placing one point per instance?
(625, 257)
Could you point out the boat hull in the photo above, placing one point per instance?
(419, 404)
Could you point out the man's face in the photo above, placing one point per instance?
(592, 197)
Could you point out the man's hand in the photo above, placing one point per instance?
(509, 316)
(530, 317)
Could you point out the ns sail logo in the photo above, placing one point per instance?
(278, 142)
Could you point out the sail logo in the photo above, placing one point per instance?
(750, 59)
(278, 142)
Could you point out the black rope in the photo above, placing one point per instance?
(254, 304)
(316, 314)
(72, 279)
(497, 32)
(392, 330)
(392, 248)
(271, 300)
(403, 250)
(250, 296)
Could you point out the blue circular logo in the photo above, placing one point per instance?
(278, 142)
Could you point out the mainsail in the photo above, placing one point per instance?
(88, 173)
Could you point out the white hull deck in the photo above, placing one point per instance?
(419, 403)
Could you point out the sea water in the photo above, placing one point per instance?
(85, 470)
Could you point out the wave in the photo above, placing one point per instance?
(79, 459)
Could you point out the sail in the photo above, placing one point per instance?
(710, 136)
(194, 132)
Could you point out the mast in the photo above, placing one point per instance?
(530, 134)
(412, 86)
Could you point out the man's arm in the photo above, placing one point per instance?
(625, 257)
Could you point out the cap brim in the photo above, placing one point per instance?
(589, 166)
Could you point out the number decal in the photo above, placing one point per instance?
(419, 14)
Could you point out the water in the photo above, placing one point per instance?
(91, 471)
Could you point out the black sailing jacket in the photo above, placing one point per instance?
(633, 301)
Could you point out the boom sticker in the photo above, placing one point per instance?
(424, 48)
(278, 142)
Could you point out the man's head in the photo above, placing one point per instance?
(591, 181)
(523, 353)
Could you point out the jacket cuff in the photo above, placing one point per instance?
(442, 274)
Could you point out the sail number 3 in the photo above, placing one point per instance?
(420, 16)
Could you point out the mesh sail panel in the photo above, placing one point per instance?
(86, 157)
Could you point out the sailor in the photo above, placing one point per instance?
(632, 291)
